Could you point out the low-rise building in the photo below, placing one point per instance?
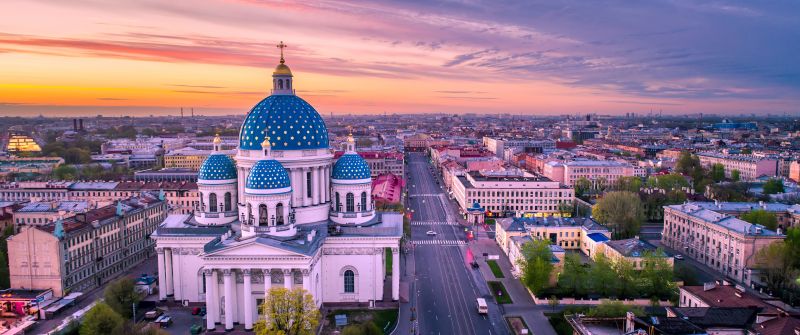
(381, 163)
(88, 249)
(388, 188)
(750, 167)
(43, 212)
(190, 158)
(583, 234)
(633, 251)
(596, 171)
(505, 193)
(718, 240)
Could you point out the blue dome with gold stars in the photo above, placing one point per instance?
(351, 166)
(268, 174)
(291, 123)
(217, 166)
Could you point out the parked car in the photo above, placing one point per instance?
(474, 264)
(430, 233)
(152, 315)
(679, 257)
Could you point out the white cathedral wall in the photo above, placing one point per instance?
(368, 283)
(186, 263)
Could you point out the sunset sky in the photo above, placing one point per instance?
(68, 57)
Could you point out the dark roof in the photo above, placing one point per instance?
(632, 247)
(778, 326)
(727, 296)
(671, 326)
(598, 237)
(706, 317)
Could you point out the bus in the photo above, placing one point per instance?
(483, 308)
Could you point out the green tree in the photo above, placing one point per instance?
(602, 278)
(582, 187)
(101, 320)
(773, 186)
(121, 295)
(5, 280)
(630, 184)
(536, 264)
(613, 309)
(368, 328)
(572, 279)
(65, 172)
(687, 163)
(628, 277)
(622, 211)
(657, 275)
(735, 175)
(717, 172)
(77, 156)
(775, 265)
(671, 182)
(762, 217)
(288, 312)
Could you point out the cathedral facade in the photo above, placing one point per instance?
(282, 214)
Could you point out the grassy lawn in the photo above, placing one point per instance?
(560, 324)
(497, 287)
(383, 318)
(495, 268)
(388, 253)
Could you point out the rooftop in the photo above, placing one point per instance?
(723, 220)
(632, 247)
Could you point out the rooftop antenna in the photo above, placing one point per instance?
(192, 112)
(181, 112)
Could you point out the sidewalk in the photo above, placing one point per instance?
(407, 295)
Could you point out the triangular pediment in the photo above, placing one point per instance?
(254, 247)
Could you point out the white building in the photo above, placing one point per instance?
(281, 215)
(506, 191)
(498, 145)
(593, 170)
(750, 167)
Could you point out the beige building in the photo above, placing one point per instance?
(509, 192)
(596, 171)
(582, 234)
(718, 240)
(633, 251)
(43, 212)
(750, 167)
(189, 158)
(87, 250)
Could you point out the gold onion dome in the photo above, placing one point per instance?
(217, 140)
(266, 143)
(282, 70)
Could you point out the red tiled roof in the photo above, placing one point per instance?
(778, 326)
(726, 296)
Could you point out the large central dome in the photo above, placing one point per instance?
(291, 123)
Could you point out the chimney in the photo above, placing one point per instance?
(75, 124)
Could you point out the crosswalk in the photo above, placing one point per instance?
(433, 223)
(439, 242)
(425, 195)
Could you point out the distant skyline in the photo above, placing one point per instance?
(89, 57)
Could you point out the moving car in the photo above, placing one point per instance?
(679, 257)
(430, 233)
(483, 308)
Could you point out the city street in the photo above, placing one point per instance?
(445, 286)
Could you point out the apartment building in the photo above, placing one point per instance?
(498, 145)
(597, 171)
(583, 234)
(510, 193)
(381, 163)
(786, 215)
(181, 196)
(43, 212)
(190, 158)
(750, 167)
(87, 250)
(718, 240)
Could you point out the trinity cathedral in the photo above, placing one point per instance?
(282, 214)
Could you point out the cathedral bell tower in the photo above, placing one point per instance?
(282, 77)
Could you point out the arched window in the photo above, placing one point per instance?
(288, 84)
(349, 281)
(279, 214)
(351, 202)
(202, 203)
(212, 202)
(363, 201)
(262, 215)
(227, 201)
(338, 203)
(280, 84)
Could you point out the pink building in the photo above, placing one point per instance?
(388, 188)
(592, 170)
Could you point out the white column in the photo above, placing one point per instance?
(168, 268)
(296, 187)
(327, 179)
(287, 279)
(267, 281)
(395, 274)
(207, 273)
(306, 199)
(162, 275)
(248, 300)
(213, 310)
(228, 299)
(306, 280)
(315, 185)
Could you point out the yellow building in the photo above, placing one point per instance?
(189, 158)
(22, 143)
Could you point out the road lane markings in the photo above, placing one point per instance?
(439, 242)
(436, 223)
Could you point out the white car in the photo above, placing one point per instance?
(679, 257)
(430, 233)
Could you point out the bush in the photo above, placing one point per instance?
(499, 292)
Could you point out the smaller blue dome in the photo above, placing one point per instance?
(268, 174)
(217, 166)
(351, 166)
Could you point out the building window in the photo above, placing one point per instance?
(308, 184)
(212, 202)
(363, 201)
(351, 206)
(349, 281)
(279, 214)
(228, 201)
(262, 215)
(338, 203)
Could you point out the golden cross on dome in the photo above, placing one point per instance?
(282, 46)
